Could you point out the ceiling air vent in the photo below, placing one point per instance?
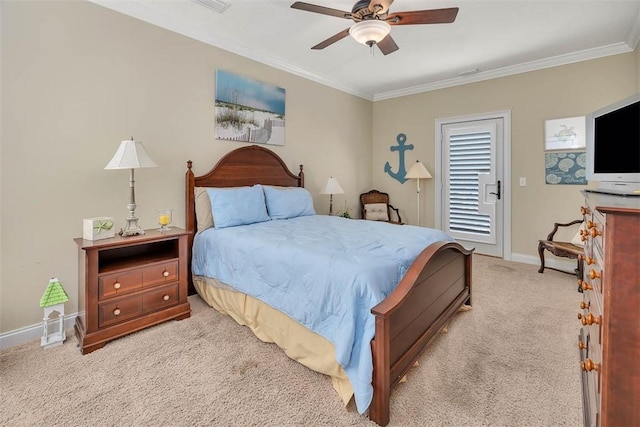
(468, 72)
(217, 5)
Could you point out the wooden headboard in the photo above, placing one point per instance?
(244, 166)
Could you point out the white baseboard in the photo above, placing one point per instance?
(31, 333)
(34, 332)
(549, 261)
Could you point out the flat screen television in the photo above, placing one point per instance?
(613, 147)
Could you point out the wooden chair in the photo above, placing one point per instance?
(375, 197)
(561, 249)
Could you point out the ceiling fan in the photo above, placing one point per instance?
(373, 21)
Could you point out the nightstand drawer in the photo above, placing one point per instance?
(160, 274)
(119, 311)
(118, 284)
(159, 299)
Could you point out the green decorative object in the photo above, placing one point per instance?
(100, 225)
(98, 228)
(346, 212)
(54, 294)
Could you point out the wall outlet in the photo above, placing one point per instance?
(523, 181)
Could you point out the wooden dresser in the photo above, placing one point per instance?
(129, 283)
(609, 340)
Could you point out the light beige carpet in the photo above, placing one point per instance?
(511, 361)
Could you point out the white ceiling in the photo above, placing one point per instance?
(497, 37)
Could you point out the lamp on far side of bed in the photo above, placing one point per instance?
(131, 155)
(332, 187)
(418, 171)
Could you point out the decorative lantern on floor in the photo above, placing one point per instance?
(52, 300)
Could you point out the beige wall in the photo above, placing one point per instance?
(76, 80)
(566, 91)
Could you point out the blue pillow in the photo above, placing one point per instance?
(284, 203)
(237, 206)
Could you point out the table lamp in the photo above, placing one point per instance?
(131, 155)
(332, 187)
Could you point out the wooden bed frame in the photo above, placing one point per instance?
(436, 285)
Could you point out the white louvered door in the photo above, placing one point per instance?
(472, 184)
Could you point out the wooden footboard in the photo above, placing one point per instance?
(431, 292)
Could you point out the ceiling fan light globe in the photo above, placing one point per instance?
(369, 31)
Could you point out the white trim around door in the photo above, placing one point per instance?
(505, 165)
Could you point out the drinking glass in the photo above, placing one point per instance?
(164, 218)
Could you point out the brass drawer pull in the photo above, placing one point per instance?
(595, 232)
(585, 286)
(589, 319)
(581, 345)
(589, 366)
(594, 274)
(584, 305)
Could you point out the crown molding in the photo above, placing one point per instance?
(554, 61)
(152, 15)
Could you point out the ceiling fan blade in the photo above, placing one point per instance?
(433, 16)
(331, 40)
(321, 9)
(387, 45)
(380, 7)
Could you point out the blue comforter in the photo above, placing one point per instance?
(325, 272)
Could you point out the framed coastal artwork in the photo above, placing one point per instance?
(565, 134)
(247, 110)
(565, 168)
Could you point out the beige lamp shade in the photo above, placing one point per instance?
(332, 187)
(131, 155)
(418, 171)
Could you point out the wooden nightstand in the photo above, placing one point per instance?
(129, 283)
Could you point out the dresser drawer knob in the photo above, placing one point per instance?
(585, 286)
(116, 312)
(165, 273)
(589, 366)
(588, 259)
(116, 285)
(584, 305)
(589, 319)
(166, 297)
(594, 232)
(594, 274)
(581, 345)
(584, 210)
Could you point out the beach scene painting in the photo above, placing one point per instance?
(247, 110)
